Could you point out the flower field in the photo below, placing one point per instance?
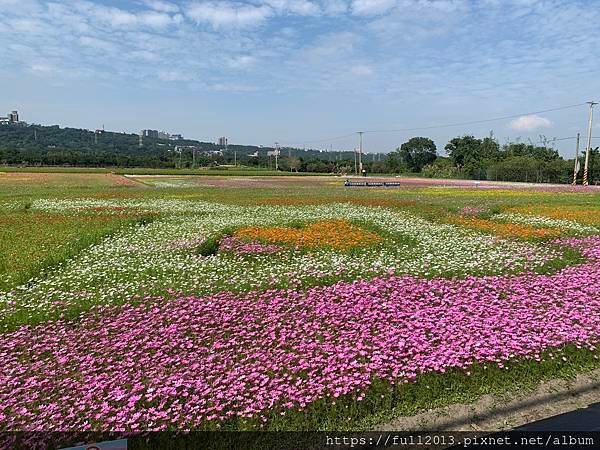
(208, 314)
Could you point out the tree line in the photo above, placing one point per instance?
(465, 156)
(485, 159)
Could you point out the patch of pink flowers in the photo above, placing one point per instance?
(472, 210)
(185, 244)
(184, 362)
(240, 247)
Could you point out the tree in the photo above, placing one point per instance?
(464, 149)
(441, 168)
(490, 149)
(521, 149)
(294, 163)
(417, 152)
(473, 156)
(594, 166)
(394, 163)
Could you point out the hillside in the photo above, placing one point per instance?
(53, 145)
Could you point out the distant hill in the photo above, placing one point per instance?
(52, 145)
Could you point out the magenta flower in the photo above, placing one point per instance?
(188, 361)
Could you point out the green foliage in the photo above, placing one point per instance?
(37, 145)
(209, 247)
(441, 168)
(394, 163)
(469, 157)
(417, 152)
(473, 155)
(529, 169)
(528, 150)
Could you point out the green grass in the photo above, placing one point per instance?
(384, 401)
(33, 242)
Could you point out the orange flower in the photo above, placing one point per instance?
(505, 229)
(337, 234)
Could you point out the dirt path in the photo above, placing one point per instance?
(501, 412)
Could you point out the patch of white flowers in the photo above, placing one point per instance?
(159, 256)
(546, 222)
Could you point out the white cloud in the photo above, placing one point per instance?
(158, 20)
(334, 7)
(241, 62)
(223, 14)
(300, 7)
(233, 87)
(372, 7)
(162, 6)
(28, 25)
(529, 123)
(120, 18)
(143, 55)
(331, 45)
(362, 70)
(98, 44)
(173, 75)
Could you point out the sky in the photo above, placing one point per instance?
(300, 72)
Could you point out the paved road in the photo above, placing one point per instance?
(586, 419)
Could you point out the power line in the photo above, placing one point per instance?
(448, 125)
(316, 141)
(552, 140)
(474, 122)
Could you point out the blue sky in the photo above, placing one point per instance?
(297, 71)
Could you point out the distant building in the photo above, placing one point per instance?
(161, 135)
(11, 119)
(189, 148)
(150, 133)
(222, 141)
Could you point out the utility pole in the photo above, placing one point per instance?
(234, 153)
(360, 149)
(576, 169)
(589, 144)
